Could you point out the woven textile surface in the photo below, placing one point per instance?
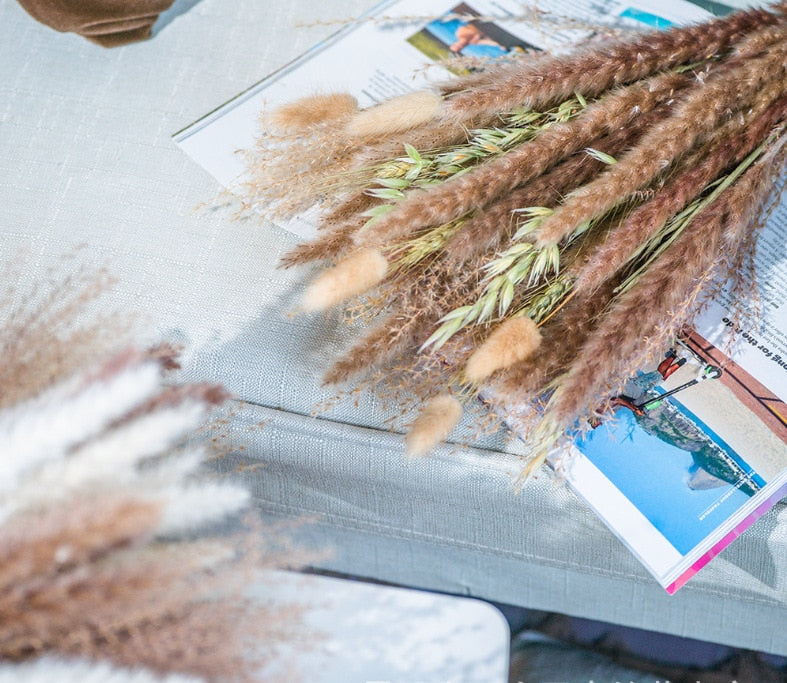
(86, 159)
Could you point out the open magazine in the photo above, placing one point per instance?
(697, 448)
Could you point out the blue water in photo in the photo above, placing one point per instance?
(445, 30)
(653, 475)
(646, 18)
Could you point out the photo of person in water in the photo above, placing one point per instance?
(471, 35)
(457, 34)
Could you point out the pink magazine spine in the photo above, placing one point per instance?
(744, 524)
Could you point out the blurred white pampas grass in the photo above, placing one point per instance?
(51, 670)
(48, 426)
(106, 508)
(191, 507)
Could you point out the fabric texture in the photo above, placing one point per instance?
(87, 162)
(106, 22)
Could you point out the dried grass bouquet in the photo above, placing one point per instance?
(537, 231)
(112, 567)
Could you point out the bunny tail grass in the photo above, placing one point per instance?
(433, 425)
(396, 115)
(513, 341)
(355, 275)
(310, 111)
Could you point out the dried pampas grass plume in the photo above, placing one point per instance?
(310, 111)
(109, 524)
(396, 115)
(515, 340)
(433, 424)
(356, 274)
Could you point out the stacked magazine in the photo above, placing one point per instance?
(698, 449)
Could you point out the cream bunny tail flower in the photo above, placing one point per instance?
(355, 275)
(309, 111)
(433, 424)
(396, 115)
(515, 340)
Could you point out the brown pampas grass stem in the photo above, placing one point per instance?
(597, 69)
(695, 116)
(525, 162)
(733, 143)
(488, 228)
(659, 304)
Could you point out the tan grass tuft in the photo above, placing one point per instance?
(433, 425)
(592, 71)
(396, 115)
(732, 87)
(515, 340)
(355, 275)
(310, 111)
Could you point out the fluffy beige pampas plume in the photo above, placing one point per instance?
(355, 275)
(433, 424)
(117, 543)
(515, 340)
(310, 111)
(396, 115)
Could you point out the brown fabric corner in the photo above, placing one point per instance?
(106, 22)
(117, 38)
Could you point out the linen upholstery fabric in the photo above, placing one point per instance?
(86, 158)
(106, 22)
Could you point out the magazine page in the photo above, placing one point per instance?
(405, 45)
(717, 447)
(761, 346)
(675, 477)
(680, 479)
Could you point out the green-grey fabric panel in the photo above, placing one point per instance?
(452, 522)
